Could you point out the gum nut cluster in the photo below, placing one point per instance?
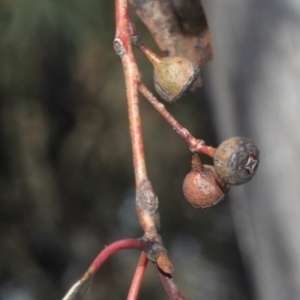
(202, 187)
(173, 76)
(236, 160)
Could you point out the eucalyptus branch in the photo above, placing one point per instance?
(146, 200)
(138, 278)
(235, 160)
(195, 145)
(170, 286)
(79, 289)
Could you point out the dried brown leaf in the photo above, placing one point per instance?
(179, 27)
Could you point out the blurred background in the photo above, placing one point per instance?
(66, 177)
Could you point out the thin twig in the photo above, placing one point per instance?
(132, 78)
(170, 286)
(146, 200)
(79, 289)
(194, 144)
(138, 277)
(139, 244)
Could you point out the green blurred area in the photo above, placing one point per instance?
(66, 178)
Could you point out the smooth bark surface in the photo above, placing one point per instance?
(254, 83)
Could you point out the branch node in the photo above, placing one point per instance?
(146, 199)
(158, 254)
(119, 47)
(136, 40)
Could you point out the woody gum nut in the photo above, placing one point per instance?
(173, 76)
(236, 160)
(201, 189)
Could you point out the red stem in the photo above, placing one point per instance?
(170, 286)
(132, 78)
(139, 244)
(122, 22)
(153, 58)
(194, 144)
(148, 220)
(146, 201)
(138, 277)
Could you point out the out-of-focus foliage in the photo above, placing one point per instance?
(66, 176)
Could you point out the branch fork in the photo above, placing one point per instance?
(146, 200)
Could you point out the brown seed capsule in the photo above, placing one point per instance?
(173, 75)
(236, 160)
(202, 187)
